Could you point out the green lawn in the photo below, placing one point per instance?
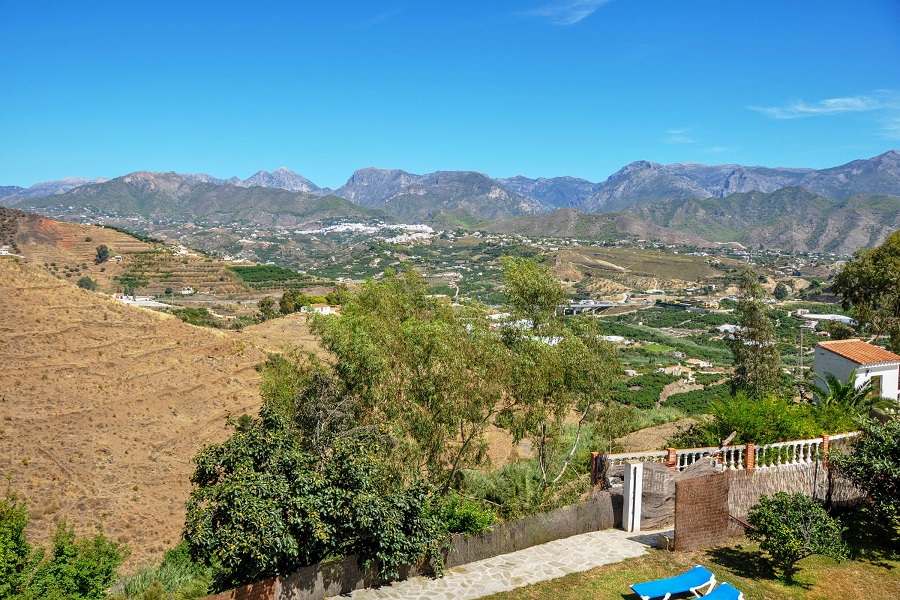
(873, 574)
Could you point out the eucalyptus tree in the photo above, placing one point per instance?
(562, 371)
(429, 375)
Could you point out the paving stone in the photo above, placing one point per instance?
(532, 565)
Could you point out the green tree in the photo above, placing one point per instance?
(102, 254)
(338, 295)
(531, 290)
(870, 285)
(782, 291)
(564, 371)
(858, 398)
(757, 362)
(874, 465)
(431, 374)
(78, 569)
(16, 556)
(86, 283)
(262, 506)
(792, 527)
(286, 304)
(266, 306)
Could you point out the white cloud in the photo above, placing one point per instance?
(567, 12)
(882, 100)
(891, 128)
(677, 136)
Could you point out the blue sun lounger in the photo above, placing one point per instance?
(691, 581)
(725, 592)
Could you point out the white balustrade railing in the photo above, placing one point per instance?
(734, 458)
(619, 459)
(687, 456)
(795, 452)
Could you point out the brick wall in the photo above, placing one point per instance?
(701, 511)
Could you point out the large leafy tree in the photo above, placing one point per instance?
(264, 505)
(870, 284)
(874, 465)
(431, 375)
(757, 362)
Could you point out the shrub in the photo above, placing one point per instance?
(458, 514)
(80, 569)
(87, 283)
(792, 527)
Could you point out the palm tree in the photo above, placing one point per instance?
(847, 393)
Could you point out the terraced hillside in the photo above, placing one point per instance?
(68, 250)
(607, 271)
(102, 405)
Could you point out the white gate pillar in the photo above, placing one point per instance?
(633, 488)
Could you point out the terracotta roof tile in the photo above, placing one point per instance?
(860, 352)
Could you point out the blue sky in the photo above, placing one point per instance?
(539, 88)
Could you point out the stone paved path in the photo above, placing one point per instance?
(508, 571)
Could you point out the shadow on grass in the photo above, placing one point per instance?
(749, 564)
(872, 539)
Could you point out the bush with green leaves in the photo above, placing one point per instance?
(459, 514)
(792, 527)
(87, 283)
(765, 421)
(874, 465)
(264, 505)
(75, 569)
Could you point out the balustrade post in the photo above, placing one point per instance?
(672, 459)
(750, 457)
(826, 445)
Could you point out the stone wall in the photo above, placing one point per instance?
(341, 577)
(594, 515)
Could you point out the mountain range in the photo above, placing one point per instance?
(695, 201)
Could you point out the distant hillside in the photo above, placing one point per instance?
(12, 195)
(444, 197)
(790, 218)
(556, 192)
(569, 222)
(172, 196)
(645, 181)
(104, 406)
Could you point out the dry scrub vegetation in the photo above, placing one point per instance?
(102, 405)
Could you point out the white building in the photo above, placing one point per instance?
(842, 357)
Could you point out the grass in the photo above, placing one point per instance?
(658, 348)
(874, 572)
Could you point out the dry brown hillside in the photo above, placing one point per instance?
(102, 405)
